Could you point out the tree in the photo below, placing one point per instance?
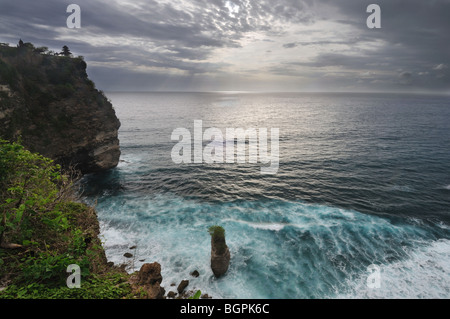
(66, 51)
(20, 43)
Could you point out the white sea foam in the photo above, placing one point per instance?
(425, 275)
(301, 250)
(268, 226)
(116, 242)
(261, 225)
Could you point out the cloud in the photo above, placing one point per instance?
(440, 67)
(290, 45)
(319, 40)
(406, 78)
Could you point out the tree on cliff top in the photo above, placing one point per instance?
(66, 51)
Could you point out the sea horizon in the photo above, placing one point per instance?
(407, 92)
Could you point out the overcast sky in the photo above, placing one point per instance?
(240, 45)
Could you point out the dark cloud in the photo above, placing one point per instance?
(186, 38)
(416, 30)
(413, 44)
(290, 45)
(406, 78)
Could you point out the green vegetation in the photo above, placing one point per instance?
(37, 66)
(218, 237)
(43, 230)
(196, 295)
(40, 93)
(98, 287)
(8, 74)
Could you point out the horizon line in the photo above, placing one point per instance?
(440, 93)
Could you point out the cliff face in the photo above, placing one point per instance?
(49, 102)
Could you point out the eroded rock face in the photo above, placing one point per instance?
(57, 111)
(220, 258)
(150, 278)
(91, 144)
(150, 274)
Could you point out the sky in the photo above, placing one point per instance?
(245, 45)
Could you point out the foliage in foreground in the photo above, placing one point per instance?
(49, 231)
(111, 286)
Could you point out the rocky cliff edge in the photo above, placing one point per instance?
(48, 102)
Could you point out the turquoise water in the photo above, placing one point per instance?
(363, 179)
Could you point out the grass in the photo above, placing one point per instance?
(218, 238)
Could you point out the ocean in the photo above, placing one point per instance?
(363, 183)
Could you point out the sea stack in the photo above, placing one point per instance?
(220, 254)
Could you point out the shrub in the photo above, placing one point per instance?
(37, 211)
(29, 192)
(112, 286)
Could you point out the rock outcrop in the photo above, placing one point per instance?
(50, 104)
(149, 278)
(220, 262)
(220, 254)
(183, 284)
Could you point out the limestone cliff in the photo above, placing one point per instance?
(49, 103)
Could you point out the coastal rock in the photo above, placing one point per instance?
(195, 274)
(150, 278)
(150, 274)
(220, 262)
(220, 254)
(183, 284)
(171, 294)
(55, 109)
